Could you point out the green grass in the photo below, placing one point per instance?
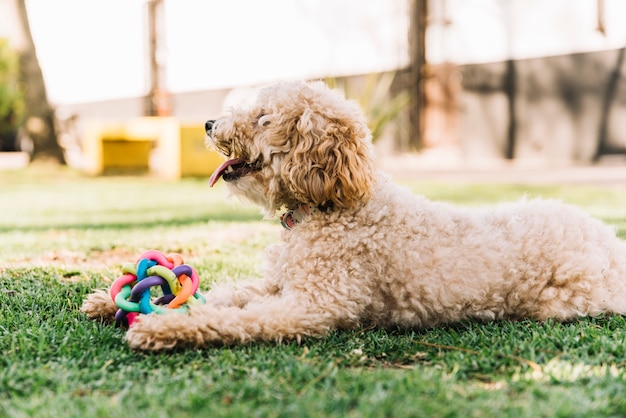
(62, 234)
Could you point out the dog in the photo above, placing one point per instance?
(358, 250)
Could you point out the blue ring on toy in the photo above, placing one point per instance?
(142, 266)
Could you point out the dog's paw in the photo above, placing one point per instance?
(99, 306)
(168, 331)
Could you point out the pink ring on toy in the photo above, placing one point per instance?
(195, 281)
(159, 257)
(130, 317)
(126, 279)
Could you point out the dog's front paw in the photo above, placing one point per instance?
(155, 332)
(99, 305)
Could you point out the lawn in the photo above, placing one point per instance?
(62, 234)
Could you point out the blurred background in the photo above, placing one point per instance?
(455, 82)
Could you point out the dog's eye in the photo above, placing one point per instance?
(264, 119)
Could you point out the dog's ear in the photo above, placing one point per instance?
(330, 163)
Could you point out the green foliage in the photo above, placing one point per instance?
(11, 95)
(375, 97)
(63, 235)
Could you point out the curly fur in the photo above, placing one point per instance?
(375, 253)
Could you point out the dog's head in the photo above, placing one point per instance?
(301, 143)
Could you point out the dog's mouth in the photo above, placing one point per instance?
(234, 169)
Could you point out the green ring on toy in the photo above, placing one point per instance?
(122, 302)
(198, 299)
(168, 275)
(129, 268)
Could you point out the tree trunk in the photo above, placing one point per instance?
(39, 118)
(609, 98)
(158, 101)
(411, 79)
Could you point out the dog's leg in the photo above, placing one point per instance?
(239, 294)
(99, 305)
(269, 318)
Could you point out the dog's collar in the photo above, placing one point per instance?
(293, 217)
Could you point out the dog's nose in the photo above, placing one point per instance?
(209, 126)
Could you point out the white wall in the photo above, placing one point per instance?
(496, 30)
(92, 50)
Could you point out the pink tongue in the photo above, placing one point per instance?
(220, 170)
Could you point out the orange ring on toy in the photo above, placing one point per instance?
(176, 259)
(184, 293)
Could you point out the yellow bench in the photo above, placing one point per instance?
(151, 144)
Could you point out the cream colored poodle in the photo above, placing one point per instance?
(359, 250)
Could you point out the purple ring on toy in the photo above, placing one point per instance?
(142, 293)
(165, 299)
(120, 315)
(182, 269)
(190, 272)
(145, 284)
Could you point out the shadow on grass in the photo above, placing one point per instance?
(233, 217)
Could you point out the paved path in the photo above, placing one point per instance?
(612, 171)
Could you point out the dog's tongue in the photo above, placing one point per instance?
(220, 170)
